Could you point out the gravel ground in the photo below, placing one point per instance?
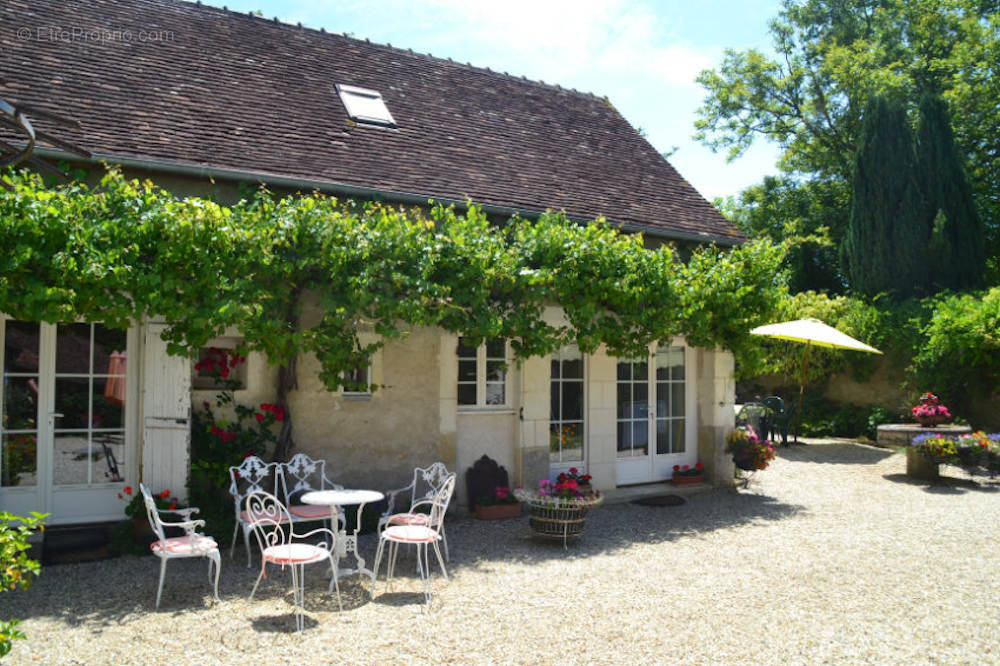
(830, 556)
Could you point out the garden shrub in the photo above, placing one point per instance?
(17, 570)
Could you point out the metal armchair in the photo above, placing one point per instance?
(192, 544)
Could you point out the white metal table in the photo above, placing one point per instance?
(346, 542)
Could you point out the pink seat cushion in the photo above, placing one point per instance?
(408, 519)
(311, 511)
(246, 517)
(410, 534)
(185, 545)
(295, 553)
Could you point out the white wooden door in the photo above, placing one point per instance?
(68, 420)
(655, 416)
(166, 433)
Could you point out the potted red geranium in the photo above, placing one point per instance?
(686, 475)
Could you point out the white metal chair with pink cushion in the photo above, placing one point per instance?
(299, 476)
(192, 544)
(421, 536)
(427, 482)
(251, 475)
(270, 521)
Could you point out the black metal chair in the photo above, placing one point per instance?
(777, 419)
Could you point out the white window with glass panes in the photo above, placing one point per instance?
(483, 373)
(655, 405)
(567, 413)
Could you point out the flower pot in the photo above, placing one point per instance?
(557, 522)
(689, 480)
(498, 511)
(931, 421)
(745, 463)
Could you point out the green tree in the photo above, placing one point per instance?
(887, 234)
(958, 233)
(830, 56)
(810, 215)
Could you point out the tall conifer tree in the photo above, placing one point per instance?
(887, 234)
(958, 248)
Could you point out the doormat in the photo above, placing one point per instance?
(660, 500)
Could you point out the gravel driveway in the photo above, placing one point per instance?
(831, 555)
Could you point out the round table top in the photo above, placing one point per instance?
(341, 497)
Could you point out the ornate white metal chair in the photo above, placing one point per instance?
(251, 475)
(300, 475)
(426, 484)
(192, 544)
(269, 520)
(420, 536)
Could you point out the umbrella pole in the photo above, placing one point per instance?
(802, 390)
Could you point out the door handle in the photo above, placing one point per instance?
(56, 415)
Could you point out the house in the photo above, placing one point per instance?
(202, 100)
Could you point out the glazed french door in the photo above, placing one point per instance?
(567, 412)
(66, 419)
(655, 410)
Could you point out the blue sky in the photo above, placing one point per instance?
(644, 56)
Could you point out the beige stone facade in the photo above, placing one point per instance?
(413, 417)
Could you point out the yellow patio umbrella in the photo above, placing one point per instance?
(811, 332)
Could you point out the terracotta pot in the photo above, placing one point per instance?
(931, 421)
(498, 511)
(687, 480)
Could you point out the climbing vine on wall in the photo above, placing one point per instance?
(124, 249)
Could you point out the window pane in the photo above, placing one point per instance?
(572, 439)
(662, 396)
(73, 402)
(109, 457)
(677, 363)
(108, 341)
(20, 455)
(20, 403)
(555, 442)
(624, 400)
(466, 394)
(572, 401)
(640, 393)
(107, 413)
(677, 439)
(624, 370)
(555, 413)
(495, 371)
(662, 436)
(640, 437)
(554, 368)
(20, 351)
(640, 371)
(464, 350)
(496, 393)
(73, 349)
(677, 399)
(466, 371)
(496, 348)
(573, 369)
(71, 458)
(624, 438)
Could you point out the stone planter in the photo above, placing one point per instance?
(919, 467)
(687, 480)
(497, 511)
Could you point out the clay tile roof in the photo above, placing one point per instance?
(188, 84)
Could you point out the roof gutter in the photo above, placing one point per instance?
(200, 171)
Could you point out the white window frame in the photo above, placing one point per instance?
(481, 380)
(367, 393)
(365, 106)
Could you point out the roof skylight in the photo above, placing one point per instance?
(365, 106)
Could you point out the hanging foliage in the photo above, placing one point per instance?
(126, 249)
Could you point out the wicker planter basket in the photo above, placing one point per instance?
(556, 518)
